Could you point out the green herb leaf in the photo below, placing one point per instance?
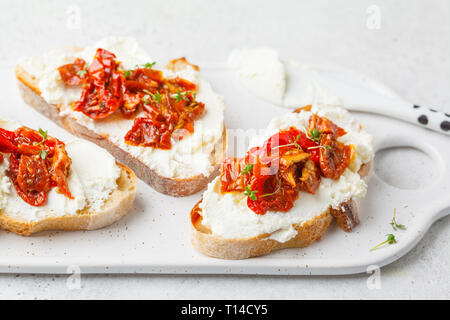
(178, 96)
(390, 240)
(394, 223)
(296, 144)
(145, 99)
(82, 73)
(315, 135)
(157, 97)
(326, 147)
(280, 188)
(149, 65)
(182, 96)
(43, 154)
(250, 193)
(44, 135)
(127, 73)
(248, 168)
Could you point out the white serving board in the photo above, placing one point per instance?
(154, 237)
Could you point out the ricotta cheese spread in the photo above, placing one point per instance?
(91, 180)
(189, 157)
(285, 83)
(260, 71)
(228, 215)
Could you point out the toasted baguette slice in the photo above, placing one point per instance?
(118, 205)
(347, 217)
(223, 226)
(178, 187)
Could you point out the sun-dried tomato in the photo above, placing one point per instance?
(168, 117)
(147, 132)
(7, 141)
(325, 126)
(102, 95)
(144, 79)
(168, 104)
(60, 166)
(310, 177)
(334, 157)
(33, 174)
(37, 163)
(232, 178)
(288, 162)
(74, 74)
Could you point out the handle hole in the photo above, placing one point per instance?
(405, 167)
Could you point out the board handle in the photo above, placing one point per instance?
(431, 119)
(431, 145)
(399, 109)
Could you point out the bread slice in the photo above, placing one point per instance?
(241, 248)
(177, 187)
(118, 205)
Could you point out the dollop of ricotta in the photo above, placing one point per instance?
(260, 71)
(285, 83)
(97, 171)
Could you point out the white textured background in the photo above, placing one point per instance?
(410, 52)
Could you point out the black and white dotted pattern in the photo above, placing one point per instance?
(445, 125)
(424, 118)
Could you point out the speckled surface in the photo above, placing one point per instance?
(409, 52)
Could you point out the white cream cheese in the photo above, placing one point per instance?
(285, 83)
(97, 171)
(57, 204)
(304, 87)
(227, 215)
(189, 157)
(5, 185)
(91, 180)
(260, 71)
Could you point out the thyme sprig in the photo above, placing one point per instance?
(155, 96)
(43, 154)
(247, 169)
(147, 65)
(295, 144)
(44, 135)
(326, 147)
(250, 193)
(390, 240)
(181, 96)
(83, 72)
(394, 223)
(275, 192)
(314, 135)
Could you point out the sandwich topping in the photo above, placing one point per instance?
(37, 163)
(290, 161)
(169, 105)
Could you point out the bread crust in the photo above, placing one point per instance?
(118, 205)
(171, 186)
(242, 248)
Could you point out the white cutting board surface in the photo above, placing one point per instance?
(154, 237)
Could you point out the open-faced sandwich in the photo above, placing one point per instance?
(46, 184)
(310, 167)
(166, 125)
